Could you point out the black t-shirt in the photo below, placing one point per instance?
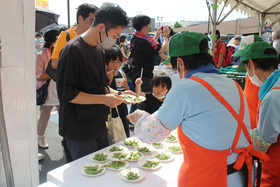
(81, 68)
(143, 55)
(152, 104)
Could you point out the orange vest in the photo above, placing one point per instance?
(251, 92)
(205, 167)
(271, 167)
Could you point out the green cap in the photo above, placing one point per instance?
(246, 41)
(184, 44)
(256, 51)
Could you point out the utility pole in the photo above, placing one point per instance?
(68, 13)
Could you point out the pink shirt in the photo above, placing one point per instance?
(42, 61)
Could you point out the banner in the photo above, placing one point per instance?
(42, 3)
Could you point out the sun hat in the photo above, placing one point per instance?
(246, 41)
(184, 44)
(256, 50)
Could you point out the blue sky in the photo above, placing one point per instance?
(175, 10)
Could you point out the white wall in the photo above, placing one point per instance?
(17, 75)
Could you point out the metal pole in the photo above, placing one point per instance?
(214, 10)
(261, 25)
(68, 13)
(5, 147)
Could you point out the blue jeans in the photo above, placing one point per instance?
(80, 148)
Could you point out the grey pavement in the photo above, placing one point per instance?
(54, 156)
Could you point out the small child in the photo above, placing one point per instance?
(161, 84)
(113, 60)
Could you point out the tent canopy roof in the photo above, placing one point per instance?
(268, 9)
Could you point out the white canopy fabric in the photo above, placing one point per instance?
(264, 9)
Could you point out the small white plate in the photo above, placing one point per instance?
(131, 139)
(141, 97)
(172, 141)
(142, 156)
(151, 148)
(141, 162)
(177, 152)
(158, 147)
(119, 147)
(158, 152)
(111, 156)
(129, 99)
(92, 165)
(140, 172)
(91, 156)
(121, 168)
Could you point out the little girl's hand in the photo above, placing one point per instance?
(138, 81)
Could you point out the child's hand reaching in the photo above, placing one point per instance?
(138, 81)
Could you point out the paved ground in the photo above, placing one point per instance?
(53, 156)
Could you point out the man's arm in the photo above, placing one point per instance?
(164, 46)
(221, 57)
(110, 100)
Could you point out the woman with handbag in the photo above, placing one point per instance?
(43, 79)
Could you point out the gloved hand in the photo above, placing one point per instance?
(135, 116)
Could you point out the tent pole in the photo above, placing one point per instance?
(261, 25)
(214, 25)
(228, 13)
(5, 147)
(271, 26)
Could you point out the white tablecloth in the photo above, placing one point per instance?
(70, 175)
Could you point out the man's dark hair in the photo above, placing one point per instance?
(113, 53)
(84, 10)
(111, 15)
(265, 64)
(122, 38)
(218, 33)
(162, 80)
(196, 60)
(139, 21)
(63, 28)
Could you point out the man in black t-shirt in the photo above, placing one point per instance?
(144, 48)
(82, 83)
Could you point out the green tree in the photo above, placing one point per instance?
(177, 25)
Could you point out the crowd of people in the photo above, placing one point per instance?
(212, 114)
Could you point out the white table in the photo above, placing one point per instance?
(70, 175)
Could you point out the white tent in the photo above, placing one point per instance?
(265, 10)
(18, 146)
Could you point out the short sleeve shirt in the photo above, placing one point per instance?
(201, 116)
(61, 41)
(220, 47)
(81, 68)
(152, 104)
(269, 118)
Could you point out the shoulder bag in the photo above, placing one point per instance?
(115, 128)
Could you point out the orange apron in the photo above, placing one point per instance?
(205, 167)
(271, 167)
(251, 93)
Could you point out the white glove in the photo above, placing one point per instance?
(135, 116)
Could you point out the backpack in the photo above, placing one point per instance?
(230, 51)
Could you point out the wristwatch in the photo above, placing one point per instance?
(120, 92)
